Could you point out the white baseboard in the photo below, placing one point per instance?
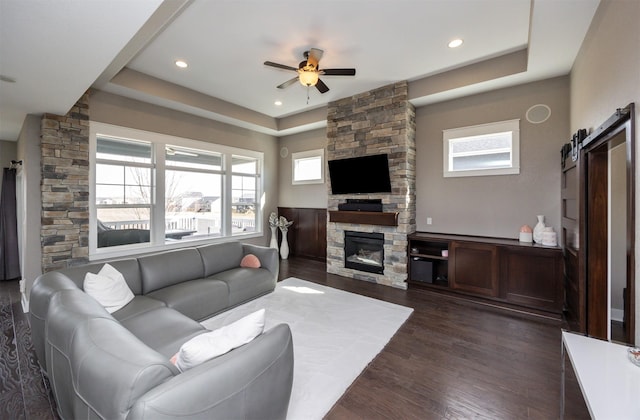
(25, 303)
(617, 315)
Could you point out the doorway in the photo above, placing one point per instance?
(607, 233)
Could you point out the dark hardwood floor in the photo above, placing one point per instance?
(451, 359)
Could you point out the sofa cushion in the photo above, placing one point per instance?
(163, 329)
(246, 283)
(138, 305)
(220, 257)
(218, 342)
(108, 287)
(169, 268)
(197, 299)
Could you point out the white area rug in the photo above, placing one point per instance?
(335, 336)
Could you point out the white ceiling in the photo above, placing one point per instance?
(56, 49)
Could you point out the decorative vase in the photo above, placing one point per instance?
(274, 238)
(284, 246)
(537, 230)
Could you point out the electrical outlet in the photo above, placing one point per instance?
(429, 221)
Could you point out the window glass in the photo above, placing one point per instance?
(308, 167)
(122, 191)
(244, 194)
(489, 149)
(154, 191)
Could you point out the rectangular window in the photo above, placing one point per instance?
(308, 167)
(488, 149)
(154, 191)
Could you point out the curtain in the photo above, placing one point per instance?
(9, 260)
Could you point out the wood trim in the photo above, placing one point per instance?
(364, 217)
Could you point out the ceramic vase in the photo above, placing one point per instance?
(274, 238)
(537, 230)
(284, 246)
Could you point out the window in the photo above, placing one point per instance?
(154, 191)
(488, 149)
(308, 167)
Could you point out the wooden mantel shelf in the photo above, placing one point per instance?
(364, 217)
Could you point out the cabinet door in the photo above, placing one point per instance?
(533, 278)
(474, 268)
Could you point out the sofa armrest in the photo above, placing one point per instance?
(252, 381)
(268, 257)
(43, 290)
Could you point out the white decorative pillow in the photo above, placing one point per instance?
(108, 287)
(216, 343)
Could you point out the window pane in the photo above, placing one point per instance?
(109, 174)
(122, 226)
(487, 161)
(192, 158)
(243, 208)
(307, 169)
(483, 143)
(244, 165)
(112, 148)
(193, 205)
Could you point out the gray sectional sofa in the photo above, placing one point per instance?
(116, 366)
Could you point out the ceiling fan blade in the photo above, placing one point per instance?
(279, 66)
(314, 56)
(322, 87)
(339, 72)
(288, 83)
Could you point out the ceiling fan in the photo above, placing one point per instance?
(309, 73)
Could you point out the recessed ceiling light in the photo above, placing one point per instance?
(182, 64)
(277, 103)
(455, 43)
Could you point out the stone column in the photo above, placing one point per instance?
(375, 122)
(65, 187)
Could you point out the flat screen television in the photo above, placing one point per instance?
(360, 175)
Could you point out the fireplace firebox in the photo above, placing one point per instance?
(364, 251)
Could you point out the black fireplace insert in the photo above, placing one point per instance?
(364, 251)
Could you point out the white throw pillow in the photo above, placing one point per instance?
(108, 287)
(216, 343)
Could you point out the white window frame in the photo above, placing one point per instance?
(159, 142)
(307, 155)
(512, 126)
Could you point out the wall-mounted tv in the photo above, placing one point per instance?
(360, 175)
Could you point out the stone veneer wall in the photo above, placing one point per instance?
(379, 121)
(65, 187)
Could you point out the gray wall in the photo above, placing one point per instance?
(28, 150)
(606, 76)
(117, 110)
(495, 206)
(305, 196)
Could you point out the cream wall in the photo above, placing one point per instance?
(117, 110)
(305, 196)
(494, 206)
(606, 76)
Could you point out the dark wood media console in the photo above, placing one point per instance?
(499, 270)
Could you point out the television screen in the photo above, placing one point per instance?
(360, 175)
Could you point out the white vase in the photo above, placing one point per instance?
(284, 246)
(274, 238)
(537, 230)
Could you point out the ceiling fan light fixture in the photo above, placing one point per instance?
(308, 78)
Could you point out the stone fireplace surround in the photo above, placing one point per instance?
(379, 121)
